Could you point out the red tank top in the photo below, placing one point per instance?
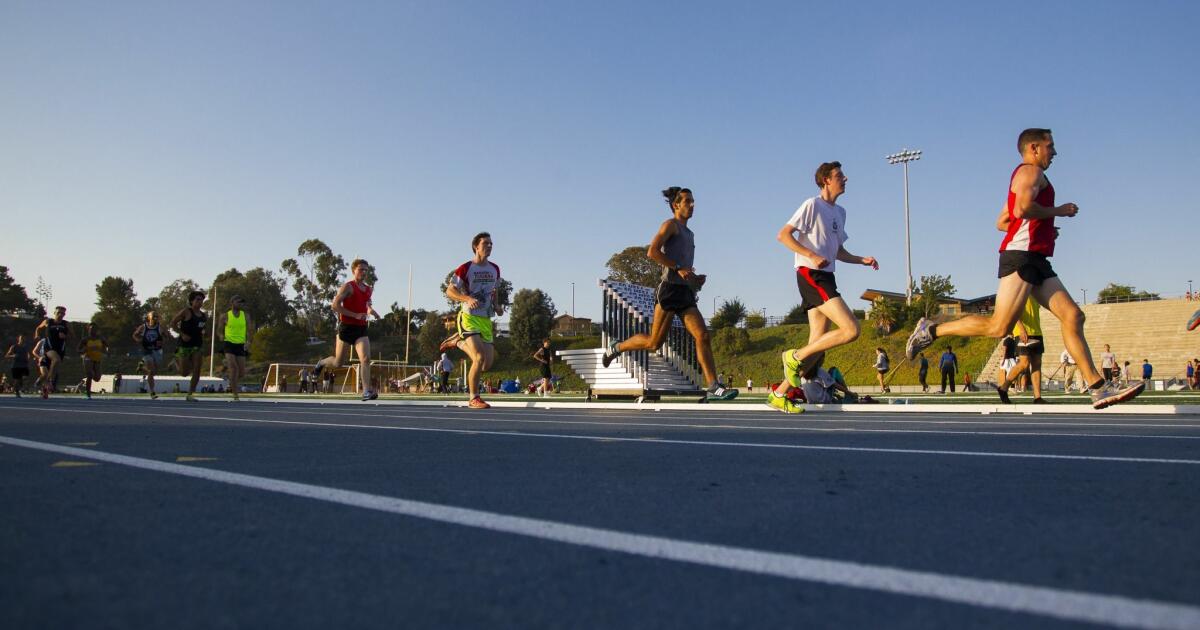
(356, 302)
(1030, 235)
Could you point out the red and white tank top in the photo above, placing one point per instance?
(1030, 235)
(357, 302)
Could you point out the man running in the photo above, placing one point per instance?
(235, 329)
(353, 307)
(1029, 353)
(545, 357)
(56, 333)
(474, 284)
(1028, 223)
(674, 247)
(150, 336)
(93, 347)
(189, 323)
(816, 234)
(19, 353)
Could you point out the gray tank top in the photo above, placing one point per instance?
(680, 248)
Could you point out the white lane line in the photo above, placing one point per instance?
(560, 436)
(1111, 610)
(475, 416)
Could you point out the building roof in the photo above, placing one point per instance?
(568, 317)
(871, 294)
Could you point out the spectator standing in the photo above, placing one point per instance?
(923, 373)
(749, 384)
(967, 385)
(1147, 371)
(1126, 373)
(304, 380)
(882, 365)
(948, 364)
(445, 366)
(1010, 354)
(1069, 370)
(283, 383)
(1191, 373)
(19, 353)
(1108, 363)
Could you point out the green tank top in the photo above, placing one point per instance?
(235, 327)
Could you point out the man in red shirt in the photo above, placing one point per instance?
(1027, 221)
(353, 305)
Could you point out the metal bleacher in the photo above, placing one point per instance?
(628, 309)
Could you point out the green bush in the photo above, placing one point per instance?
(731, 340)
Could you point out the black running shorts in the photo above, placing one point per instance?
(351, 333)
(816, 287)
(546, 370)
(236, 349)
(676, 298)
(1033, 268)
(1033, 348)
(20, 372)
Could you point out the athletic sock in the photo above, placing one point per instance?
(612, 349)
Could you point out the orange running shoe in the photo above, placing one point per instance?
(477, 403)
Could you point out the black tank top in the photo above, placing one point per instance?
(53, 330)
(152, 337)
(193, 328)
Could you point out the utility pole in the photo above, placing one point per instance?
(904, 157)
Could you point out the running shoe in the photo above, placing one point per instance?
(920, 339)
(783, 404)
(792, 369)
(153, 396)
(316, 371)
(191, 398)
(370, 395)
(477, 403)
(1039, 401)
(45, 392)
(88, 395)
(450, 342)
(1112, 394)
(235, 397)
(1194, 321)
(717, 391)
(610, 353)
(1003, 392)
(17, 392)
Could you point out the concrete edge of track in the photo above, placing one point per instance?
(982, 409)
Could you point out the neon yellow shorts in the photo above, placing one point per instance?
(475, 325)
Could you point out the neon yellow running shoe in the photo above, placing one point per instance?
(791, 368)
(783, 404)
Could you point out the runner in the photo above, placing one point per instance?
(149, 334)
(1029, 353)
(353, 307)
(674, 247)
(19, 353)
(189, 323)
(1028, 223)
(93, 347)
(816, 234)
(474, 283)
(235, 330)
(43, 364)
(56, 333)
(545, 356)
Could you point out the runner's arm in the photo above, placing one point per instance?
(138, 333)
(1003, 220)
(1027, 183)
(654, 252)
(219, 327)
(846, 256)
(342, 294)
(787, 236)
(37, 331)
(177, 322)
(249, 328)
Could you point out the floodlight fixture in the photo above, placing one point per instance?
(904, 156)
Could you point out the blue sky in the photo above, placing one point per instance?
(166, 140)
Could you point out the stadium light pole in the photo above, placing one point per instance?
(572, 299)
(1189, 287)
(1084, 295)
(904, 157)
(715, 298)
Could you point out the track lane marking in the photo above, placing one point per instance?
(802, 447)
(1113, 610)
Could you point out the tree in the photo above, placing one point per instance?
(1123, 293)
(755, 320)
(316, 274)
(731, 340)
(531, 319)
(633, 266)
(884, 313)
(279, 341)
(933, 291)
(45, 295)
(262, 290)
(503, 292)
(13, 298)
(118, 311)
(729, 314)
(798, 315)
(431, 336)
(396, 319)
(172, 298)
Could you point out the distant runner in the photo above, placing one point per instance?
(93, 347)
(1029, 353)
(353, 307)
(150, 336)
(189, 323)
(1028, 222)
(545, 358)
(56, 332)
(19, 353)
(474, 284)
(235, 329)
(816, 234)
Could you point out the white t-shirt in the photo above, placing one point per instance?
(821, 227)
(1065, 357)
(1108, 360)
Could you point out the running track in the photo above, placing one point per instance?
(132, 513)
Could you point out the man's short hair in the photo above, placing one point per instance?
(358, 262)
(479, 237)
(194, 294)
(60, 308)
(1029, 136)
(824, 171)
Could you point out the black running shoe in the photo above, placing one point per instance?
(1003, 392)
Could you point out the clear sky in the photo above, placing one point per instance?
(164, 140)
